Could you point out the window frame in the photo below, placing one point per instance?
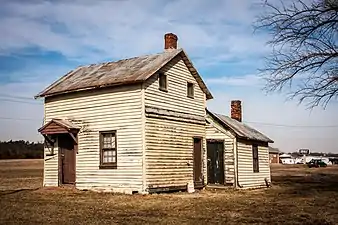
(190, 85)
(161, 74)
(111, 165)
(255, 158)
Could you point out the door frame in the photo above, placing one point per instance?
(220, 141)
(199, 184)
(60, 165)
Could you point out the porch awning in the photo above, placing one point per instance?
(59, 126)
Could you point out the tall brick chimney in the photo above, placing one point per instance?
(170, 41)
(236, 110)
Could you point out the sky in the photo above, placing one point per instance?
(42, 40)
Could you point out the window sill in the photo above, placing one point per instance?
(108, 166)
(190, 96)
(163, 89)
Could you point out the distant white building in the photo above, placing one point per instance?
(324, 159)
(286, 159)
(289, 159)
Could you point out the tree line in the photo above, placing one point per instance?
(21, 150)
(323, 154)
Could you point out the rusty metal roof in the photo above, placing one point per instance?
(240, 129)
(126, 71)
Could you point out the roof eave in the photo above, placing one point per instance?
(44, 95)
(255, 139)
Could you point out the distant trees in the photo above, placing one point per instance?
(305, 48)
(21, 150)
(296, 154)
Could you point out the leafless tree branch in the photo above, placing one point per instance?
(304, 49)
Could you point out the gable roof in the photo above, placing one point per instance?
(273, 150)
(240, 129)
(58, 126)
(126, 71)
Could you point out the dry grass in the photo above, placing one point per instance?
(299, 196)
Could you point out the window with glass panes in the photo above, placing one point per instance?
(108, 150)
(163, 82)
(190, 90)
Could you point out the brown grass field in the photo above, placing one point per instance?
(299, 195)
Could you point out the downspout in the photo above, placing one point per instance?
(237, 184)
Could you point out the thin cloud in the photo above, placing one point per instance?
(246, 80)
(83, 29)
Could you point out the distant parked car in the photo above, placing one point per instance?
(316, 163)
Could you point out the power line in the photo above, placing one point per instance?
(293, 126)
(16, 96)
(25, 100)
(267, 124)
(10, 118)
(20, 101)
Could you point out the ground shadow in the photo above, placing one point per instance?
(9, 192)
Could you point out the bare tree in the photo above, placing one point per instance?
(305, 49)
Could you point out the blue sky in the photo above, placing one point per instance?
(42, 40)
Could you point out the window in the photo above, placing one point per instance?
(190, 90)
(255, 158)
(108, 150)
(163, 82)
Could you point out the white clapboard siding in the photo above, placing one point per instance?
(169, 151)
(107, 109)
(215, 131)
(246, 177)
(50, 173)
(169, 144)
(176, 98)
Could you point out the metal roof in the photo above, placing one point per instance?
(126, 71)
(240, 129)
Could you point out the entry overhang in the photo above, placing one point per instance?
(59, 126)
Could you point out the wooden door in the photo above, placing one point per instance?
(215, 164)
(67, 159)
(198, 176)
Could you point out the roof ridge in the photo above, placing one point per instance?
(130, 58)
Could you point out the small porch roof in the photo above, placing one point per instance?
(59, 126)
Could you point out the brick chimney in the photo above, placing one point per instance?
(236, 110)
(170, 41)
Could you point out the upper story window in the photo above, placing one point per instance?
(163, 82)
(255, 158)
(108, 150)
(190, 90)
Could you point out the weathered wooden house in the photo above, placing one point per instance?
(134, 126)
(237, 155)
